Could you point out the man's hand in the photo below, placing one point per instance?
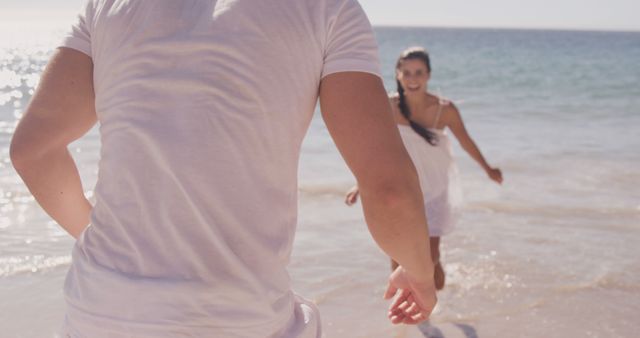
(414, 300)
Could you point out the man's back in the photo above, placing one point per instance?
(202, 108)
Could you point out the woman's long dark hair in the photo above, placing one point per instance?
(414, 53)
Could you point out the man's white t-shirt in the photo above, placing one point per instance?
(202, 106)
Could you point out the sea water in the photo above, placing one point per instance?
(553, 252)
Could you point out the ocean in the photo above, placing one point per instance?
(553, 252)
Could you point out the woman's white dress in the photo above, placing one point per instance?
(438, 176)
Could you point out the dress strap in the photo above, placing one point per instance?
(440, 105)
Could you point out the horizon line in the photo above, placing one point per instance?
(551, 29)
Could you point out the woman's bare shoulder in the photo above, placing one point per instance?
(450, 114)
(449, 106)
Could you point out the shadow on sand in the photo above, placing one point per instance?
(432, 331)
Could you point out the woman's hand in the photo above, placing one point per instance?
(495, 174)
(352, 196)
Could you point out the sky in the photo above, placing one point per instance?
(539, 14)
(558, 14)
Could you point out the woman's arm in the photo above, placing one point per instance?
(61, 111)
(455, 123)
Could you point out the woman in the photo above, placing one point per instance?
(422, 119)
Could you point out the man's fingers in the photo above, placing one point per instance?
(391, 291)
(411, 314)
(396, 313)
(411, 299)
(400, 299)
(396, 320)
(406, 318)
(397, 317)
(412, 309)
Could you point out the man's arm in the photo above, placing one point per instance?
(61, 111)
(358, 115)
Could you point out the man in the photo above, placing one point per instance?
(202, 107)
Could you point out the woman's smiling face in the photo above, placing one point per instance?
(413, 75)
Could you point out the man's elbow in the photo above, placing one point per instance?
(22, 152)
(396, 196)
(17, 154)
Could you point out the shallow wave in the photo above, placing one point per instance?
(339, 190)
(607, 281)
(15, 265)
(319, 190)
(553, 210)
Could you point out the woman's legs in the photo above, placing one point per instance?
(438, 275)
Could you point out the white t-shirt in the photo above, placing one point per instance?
(202, 106)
